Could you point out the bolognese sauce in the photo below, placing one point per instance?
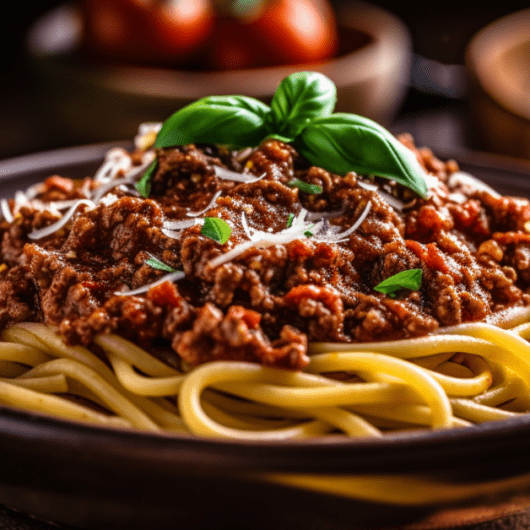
(266, 302)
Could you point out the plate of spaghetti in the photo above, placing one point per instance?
(255, 301)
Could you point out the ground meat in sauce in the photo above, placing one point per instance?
(267, 303)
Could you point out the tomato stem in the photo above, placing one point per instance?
(240, 9)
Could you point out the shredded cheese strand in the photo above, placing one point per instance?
(6, 212)
(46, 231)
(179, 225)
(343, 236)
(204, 210)
(115, 160)
(227, 174)
(171, 277)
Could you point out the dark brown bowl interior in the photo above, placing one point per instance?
(101, 478)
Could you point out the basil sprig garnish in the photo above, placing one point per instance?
(300, 98)
(301, 113)
(410, 279)
(216, 229)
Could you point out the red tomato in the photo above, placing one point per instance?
(180, 27)
(147, 30)
(282, 32)
(297, 31)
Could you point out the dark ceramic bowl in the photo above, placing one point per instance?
(100, 478)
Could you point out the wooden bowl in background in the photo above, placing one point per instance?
(498, 60)
(97, 101)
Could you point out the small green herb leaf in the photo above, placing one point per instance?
(346, 142)
(308, 232)
(157, 264)
(299, 98)
(410, 279)
(305, 187)
(143, 186)
(235, 120)
(216, 229)
(290, 220)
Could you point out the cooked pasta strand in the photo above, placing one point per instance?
(52, 384)
(422, 382)
(11, 351)
(405, 414)
(55, 347)
(113, 399)
(477, 413)
(36, 401)
(327, 396)
(141, 385)
(136, 356)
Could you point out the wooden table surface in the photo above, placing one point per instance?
(512, 515)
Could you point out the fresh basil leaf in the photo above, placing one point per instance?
(157, 264)
(284, 139)
(290, 220)
(410, 279)
(346, 142)
(235, 120)
(299, 98)
(216, 229)
(305, 186)
(143, 186)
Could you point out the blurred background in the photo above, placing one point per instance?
(92, 70)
